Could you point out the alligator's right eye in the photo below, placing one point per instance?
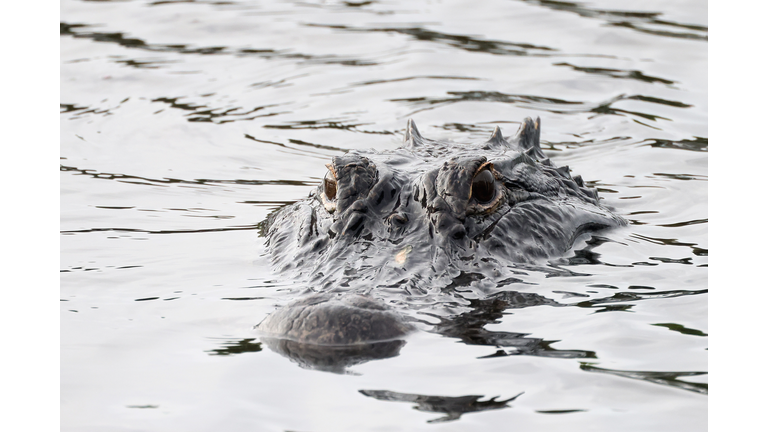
(329, 186)
(483, 187)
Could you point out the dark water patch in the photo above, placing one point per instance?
(698, 144)
(85, 269)
(146, 64)
(637, 296)
(66, 29)
(657, 32)
(680, 176)
(358, 4)
(172, 181)
(681, 329)
(237, 347)
(147, 299)
(660, 101)
(686, 223)
(618, 73)
(686, 261)
(603, 286)
(700, 251)
(614, 308)
(638, 21)
(80, 112)
(643, 287)
(242, 298)
(71, 269)
(664, 378)
(570, 411)
(453, 407)
(66, 108)
(267, 203)
(463, 42)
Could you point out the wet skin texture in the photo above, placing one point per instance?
(414, 221)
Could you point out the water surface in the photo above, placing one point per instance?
(184, 123)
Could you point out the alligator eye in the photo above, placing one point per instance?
(483, 186)
(329, 186)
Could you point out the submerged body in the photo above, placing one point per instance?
(415, 221)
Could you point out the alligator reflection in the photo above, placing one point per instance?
(469, 327)
(454, 407)
(237, 347)
(331, 358)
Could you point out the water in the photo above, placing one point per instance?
(184, 123)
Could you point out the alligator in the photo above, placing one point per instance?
(389, 233)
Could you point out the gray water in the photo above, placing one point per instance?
(184, 123)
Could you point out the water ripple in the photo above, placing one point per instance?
(542, 103)
(172, 181)
(119, 38)
(463, 42)
(645, 22)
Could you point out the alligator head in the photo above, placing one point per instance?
(430, 210)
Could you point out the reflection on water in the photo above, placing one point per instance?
(663, 378)
(185, 123)
(646, 22)
(335, 359)
(453, 407)
(469, 327)
(237, 347)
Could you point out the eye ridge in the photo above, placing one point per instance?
(483, 186)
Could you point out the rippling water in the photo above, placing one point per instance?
(184, 123)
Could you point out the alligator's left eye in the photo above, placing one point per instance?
(483, 186)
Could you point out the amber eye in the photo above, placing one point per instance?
(483, 186)
(329, 185)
